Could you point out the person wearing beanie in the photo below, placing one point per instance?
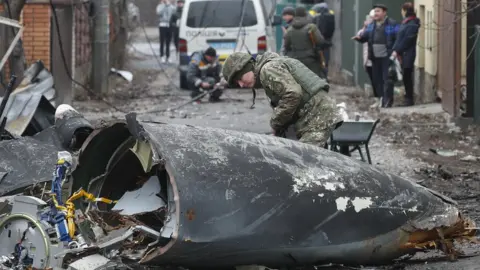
(203, 74)
(324, 19)
(298, 96)
(304, 42)
(367, 63)
(405, 48)
(287, 15)
(380, 36)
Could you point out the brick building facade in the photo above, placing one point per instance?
(36, 18)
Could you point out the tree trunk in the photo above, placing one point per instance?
(16, 62)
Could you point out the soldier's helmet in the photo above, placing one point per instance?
(233, 64)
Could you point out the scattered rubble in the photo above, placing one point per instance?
(462, 186)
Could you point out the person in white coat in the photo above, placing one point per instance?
(367, 63)
(165, 11)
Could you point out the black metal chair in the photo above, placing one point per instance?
(352, 135)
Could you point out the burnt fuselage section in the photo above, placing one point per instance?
(233, 198)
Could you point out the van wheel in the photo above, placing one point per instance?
(183, 81)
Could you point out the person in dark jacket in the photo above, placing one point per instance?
(381, 36)
(175, 23)
(405, 48)
(203, 73)
(325, 20)
(288, 13)
(303, 41)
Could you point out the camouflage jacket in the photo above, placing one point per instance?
(284, 88)
(303, 39)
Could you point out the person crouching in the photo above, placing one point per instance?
(203, 74)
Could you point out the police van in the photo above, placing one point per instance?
(227, 26)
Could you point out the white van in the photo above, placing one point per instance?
(215, 23)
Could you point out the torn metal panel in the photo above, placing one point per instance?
(27, 161)
(38, 79)
(22, 112)
(238, 198)
(142, 200)
(30, 107)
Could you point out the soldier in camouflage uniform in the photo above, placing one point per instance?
(303, 41)
(298, 96)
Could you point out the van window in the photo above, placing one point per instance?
(204, 14)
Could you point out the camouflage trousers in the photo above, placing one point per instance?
(317, 120)
(318, 137)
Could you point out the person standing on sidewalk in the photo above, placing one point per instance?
(287, 15)
(381, 35)
(165, 11)
(175, 23)
(325, 21)
(367, 63)
(405, 48)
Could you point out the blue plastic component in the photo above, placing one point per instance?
(62, 229)
(58, 176)
(53, 216)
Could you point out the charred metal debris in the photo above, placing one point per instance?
(155, 194)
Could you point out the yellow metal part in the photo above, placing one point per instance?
(144, 153)
(222, 58)
(69, 207)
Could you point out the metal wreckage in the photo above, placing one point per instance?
(133, 194)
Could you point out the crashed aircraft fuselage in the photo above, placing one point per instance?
(232, 198)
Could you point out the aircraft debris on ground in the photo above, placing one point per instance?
(159, 194)
(30, 108)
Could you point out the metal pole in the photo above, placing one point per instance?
(472, 62)
(458, 56)
(474, 96)
(15, 24)
(100, 62)
(356, 9)
(8, 92)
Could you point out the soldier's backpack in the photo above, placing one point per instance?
(325, 22)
